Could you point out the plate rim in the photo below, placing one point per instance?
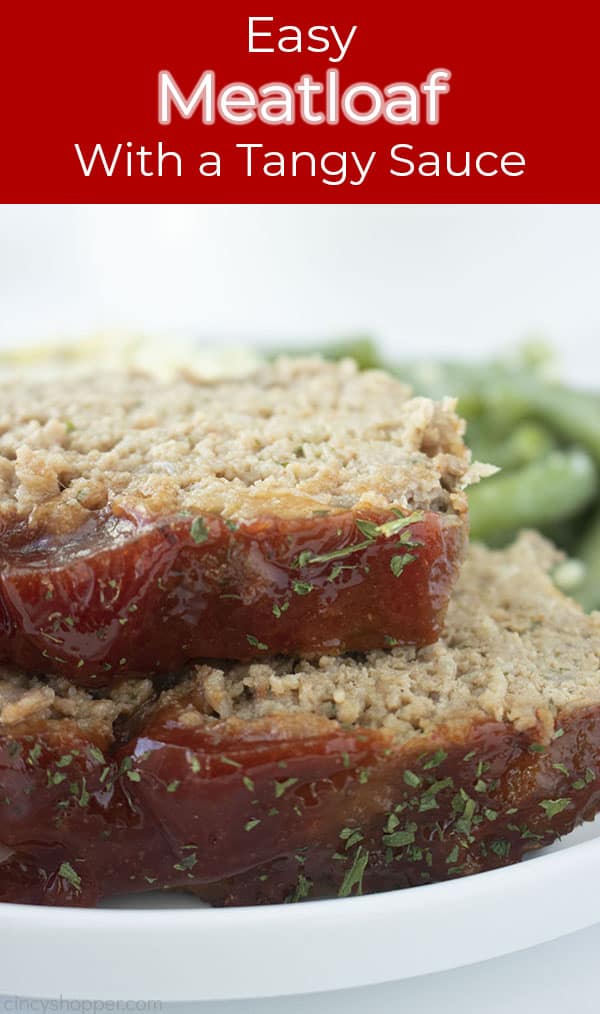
(284, 912)
(323, 932)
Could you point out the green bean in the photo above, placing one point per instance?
(527, 442)
(489, 391)
(588, 592)
(362, 349)
(573, 414)
(551, 489)
(438, 379)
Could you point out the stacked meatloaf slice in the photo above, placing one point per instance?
(309, 509)
(282, 780)
(229, 662)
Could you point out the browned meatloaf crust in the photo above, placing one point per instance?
(146, 524)
(280, 781)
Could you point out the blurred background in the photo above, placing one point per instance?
(431, 279)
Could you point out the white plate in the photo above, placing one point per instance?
(172, 948)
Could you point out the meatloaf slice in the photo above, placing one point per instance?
(277, 781)
(310, 508)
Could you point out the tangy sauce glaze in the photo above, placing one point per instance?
(278, 809)
(123, 596)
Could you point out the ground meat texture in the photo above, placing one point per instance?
(300, 434)
(248, 785)
(308, 509)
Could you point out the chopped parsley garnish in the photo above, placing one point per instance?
(67, 872)
(302, 889)
(254, 822)
(255, 643)
(400, 838)
(553, 806)
(391, 823)
(199, 531)
(187, 863)
(463, 824)
(248, 783)
(428, 800)
(302, 587)
(351, 836)
(434, 760)
(368, 528)
(400, 562)
(588, 778)
(281, 787)
(452, 855)
(335, 554)
(278, 610)
(55, 778)
(354, 876)
(174, 785)
(390, 528)
(411, 778)
(84, 798)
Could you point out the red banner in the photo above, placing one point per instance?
(355, 102)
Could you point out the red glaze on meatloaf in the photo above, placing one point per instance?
(119, 596)
(278, 810)
(286, 779)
